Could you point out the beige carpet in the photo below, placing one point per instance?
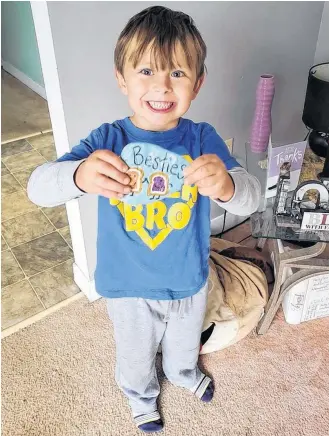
(57, 379)
(24, 113)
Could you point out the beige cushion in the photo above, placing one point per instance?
(238, 293)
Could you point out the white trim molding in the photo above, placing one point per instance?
(82, 277)
(83, 283)
(50, 75)
(24, 79)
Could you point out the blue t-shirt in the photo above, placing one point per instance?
(159, 250)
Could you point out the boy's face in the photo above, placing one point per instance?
(159, 97)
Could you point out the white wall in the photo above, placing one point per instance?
(322, 46)
(245, 39)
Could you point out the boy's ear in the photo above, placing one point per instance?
(121, 82)
(198, 85)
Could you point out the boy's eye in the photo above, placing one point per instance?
(146, 72)
(177, 74)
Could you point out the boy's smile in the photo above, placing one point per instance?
(161, 106)
(159, 97)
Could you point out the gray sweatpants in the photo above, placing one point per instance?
(140, 325)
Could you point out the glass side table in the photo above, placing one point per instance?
(305, 262)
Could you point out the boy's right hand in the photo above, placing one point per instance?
(103, 173)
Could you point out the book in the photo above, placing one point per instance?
(293, 153)
(315, 221)
(317, 298)
(307, 300)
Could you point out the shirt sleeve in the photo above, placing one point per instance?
(212, 143)
(52, 183)
(85, 148)
(247, 193)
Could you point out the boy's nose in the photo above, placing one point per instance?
(162, 84)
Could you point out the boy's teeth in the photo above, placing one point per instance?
(160, 104)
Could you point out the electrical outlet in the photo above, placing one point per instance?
(229, 143)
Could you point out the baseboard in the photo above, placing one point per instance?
(24, 79)
(231, 221)
(41, 315)
(84, 284)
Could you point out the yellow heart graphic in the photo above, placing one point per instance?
(189, 194)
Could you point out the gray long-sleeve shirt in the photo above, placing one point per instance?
(52, 184)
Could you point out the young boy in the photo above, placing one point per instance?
(153, 267)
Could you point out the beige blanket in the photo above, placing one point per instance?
(238, 293)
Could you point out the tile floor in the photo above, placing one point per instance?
(36, 246)
(24, 113)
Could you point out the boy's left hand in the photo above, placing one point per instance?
(209, 174)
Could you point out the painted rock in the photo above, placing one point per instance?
(154, 172)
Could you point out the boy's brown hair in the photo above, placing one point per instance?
(161, 29)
